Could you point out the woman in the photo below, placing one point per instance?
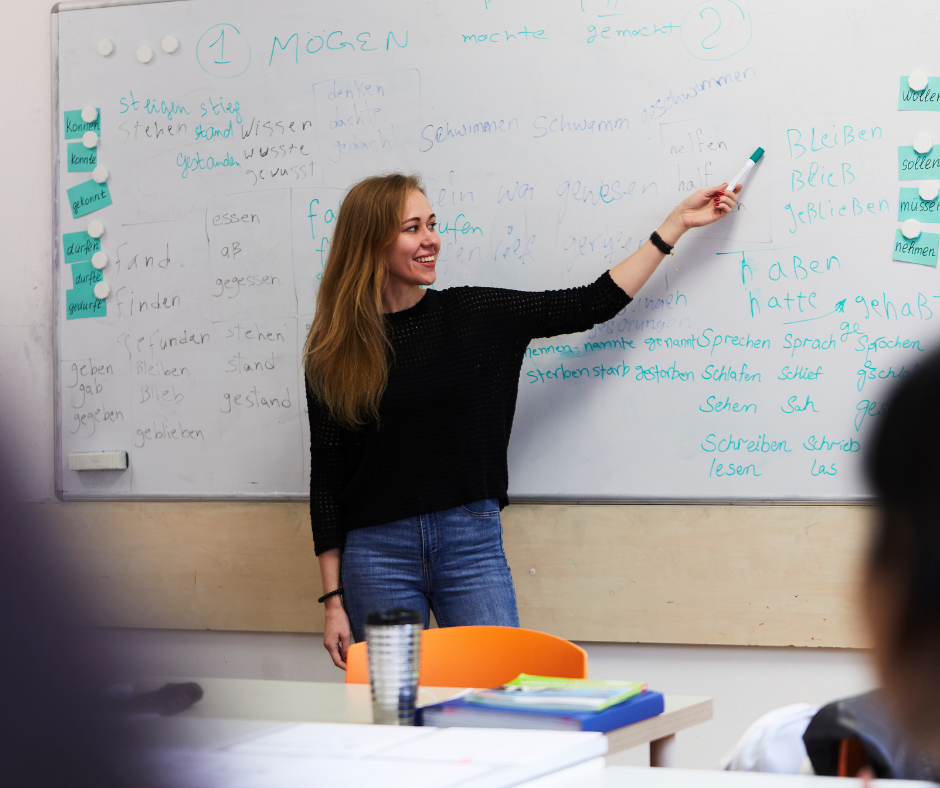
(902, 588)
(411, 394)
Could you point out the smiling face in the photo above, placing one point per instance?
(413, 256)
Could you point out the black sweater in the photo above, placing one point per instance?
(446, 415)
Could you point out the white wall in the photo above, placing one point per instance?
(744, 682)
(26, 218)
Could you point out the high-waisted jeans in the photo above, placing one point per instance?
(450, 562)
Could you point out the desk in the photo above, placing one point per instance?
(247, 706)
(598, 776)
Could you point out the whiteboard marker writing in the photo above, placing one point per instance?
(748, 166)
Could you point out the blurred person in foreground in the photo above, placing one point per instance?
(902, 583)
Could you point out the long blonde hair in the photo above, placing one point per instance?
(346, 356)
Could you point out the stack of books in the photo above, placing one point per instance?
(548, 703)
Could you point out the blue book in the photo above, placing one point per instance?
(458, 713)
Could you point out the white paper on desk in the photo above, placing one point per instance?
(330, 740)
(225, 769)
(499, 746)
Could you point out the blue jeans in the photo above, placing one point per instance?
(450, 562)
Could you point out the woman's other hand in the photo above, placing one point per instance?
(707, 206)
(336, 631)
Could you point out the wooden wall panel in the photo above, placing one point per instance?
(717, 574)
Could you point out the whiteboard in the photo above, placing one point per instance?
(552, 137)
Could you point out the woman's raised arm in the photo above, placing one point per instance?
(704, 207)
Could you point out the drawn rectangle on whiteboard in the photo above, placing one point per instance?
(706, 152)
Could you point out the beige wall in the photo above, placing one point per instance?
(728, 575)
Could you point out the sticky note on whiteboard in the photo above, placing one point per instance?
(75, 127)
(85, 275)
(82, 302)
(927, 99)
(98, 461)
(79, 247)
(88, 197)
(913, 166)
(80, 158)
(911, 206)
(921, 250)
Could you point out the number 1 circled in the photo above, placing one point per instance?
(223, 51)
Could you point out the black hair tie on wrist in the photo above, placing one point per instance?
(332, 593)
(660, 244)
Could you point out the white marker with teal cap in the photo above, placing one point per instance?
(748, 166)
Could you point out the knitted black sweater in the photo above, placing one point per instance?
(446, 415)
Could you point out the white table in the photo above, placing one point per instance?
(597, 775)
(246, 706)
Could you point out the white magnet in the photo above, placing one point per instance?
(105, 47)
(90, 139)
(922, 143)
(100, 259)
(144, 54)
(170, 44)
(917, 81)
(910, 228)
(100, 174)
(89, 114)
(102, 290)
(95, 229)
(928, 191)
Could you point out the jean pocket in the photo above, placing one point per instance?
(488, 507)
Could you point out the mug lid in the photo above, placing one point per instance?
(393, 616)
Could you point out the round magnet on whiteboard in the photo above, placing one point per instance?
(922, 143)
(105, 47)
(917, 81)
(95, 229)
(89, 114)
(170, 44)
(90, 139)
(910, 228)
(102, 290)
(100, 174)
(100, 260)
(928, 191)
(144, 54)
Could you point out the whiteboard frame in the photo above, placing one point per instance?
(62, 495)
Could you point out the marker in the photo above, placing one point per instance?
(748, 166)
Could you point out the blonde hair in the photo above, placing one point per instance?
(346, 355)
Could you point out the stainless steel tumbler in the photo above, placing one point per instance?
(394, 643)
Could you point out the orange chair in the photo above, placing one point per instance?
(482, 657)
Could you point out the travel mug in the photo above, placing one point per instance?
(394, 644)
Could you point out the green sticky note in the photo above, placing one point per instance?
(75, 127)
(88, 197)
(914, 167)
(910, 206)
(85, 275)
(80, 158)
(921, 250)
(926, 100)
(81, 302)
(79, 247)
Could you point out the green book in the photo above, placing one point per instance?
(553, 694)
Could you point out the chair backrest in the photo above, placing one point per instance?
(482, 657)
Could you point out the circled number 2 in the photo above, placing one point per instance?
(716, 29)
